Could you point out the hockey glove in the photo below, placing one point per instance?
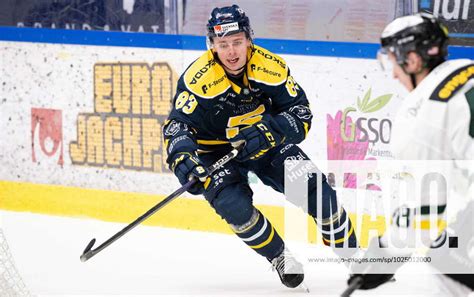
(186, 166)
(259, 139)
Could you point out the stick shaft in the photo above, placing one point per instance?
(91, 252)
(354, 285)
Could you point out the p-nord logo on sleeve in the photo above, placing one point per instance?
(46, 135)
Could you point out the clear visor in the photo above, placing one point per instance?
(385, 60)
(209, 44)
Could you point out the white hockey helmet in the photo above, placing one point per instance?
(421, 33)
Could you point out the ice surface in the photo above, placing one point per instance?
(161, 261)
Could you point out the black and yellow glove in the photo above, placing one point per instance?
(186, 166)
(259, 139)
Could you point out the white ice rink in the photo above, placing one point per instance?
(160, 261)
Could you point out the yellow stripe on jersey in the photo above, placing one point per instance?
(266, 242)
(211, 142)
(341, 239)
(426, 224)
(206, 78)
(266, 67)
(208, 181)
(306, 128)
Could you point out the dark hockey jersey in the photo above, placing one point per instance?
(210, 107)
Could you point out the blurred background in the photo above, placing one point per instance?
(340, 20)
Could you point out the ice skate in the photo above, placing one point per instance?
(289, 269)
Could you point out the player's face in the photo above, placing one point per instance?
(232, 51)
(399, 73)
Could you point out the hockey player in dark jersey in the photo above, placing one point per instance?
(238, 92)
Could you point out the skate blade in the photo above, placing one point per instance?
(304, 287)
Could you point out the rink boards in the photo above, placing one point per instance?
(81, 129)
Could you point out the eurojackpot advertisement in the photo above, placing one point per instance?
(89, 119)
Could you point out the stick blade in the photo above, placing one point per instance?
(87, 251)
(354, 285)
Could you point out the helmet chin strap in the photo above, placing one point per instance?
(413, 80)
(411, 75)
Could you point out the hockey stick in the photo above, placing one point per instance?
(354, 285)
(89, 252)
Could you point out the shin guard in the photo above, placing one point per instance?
(259, 234)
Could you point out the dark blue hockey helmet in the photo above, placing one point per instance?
(228, 20)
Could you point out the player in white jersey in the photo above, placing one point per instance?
(434, 122)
